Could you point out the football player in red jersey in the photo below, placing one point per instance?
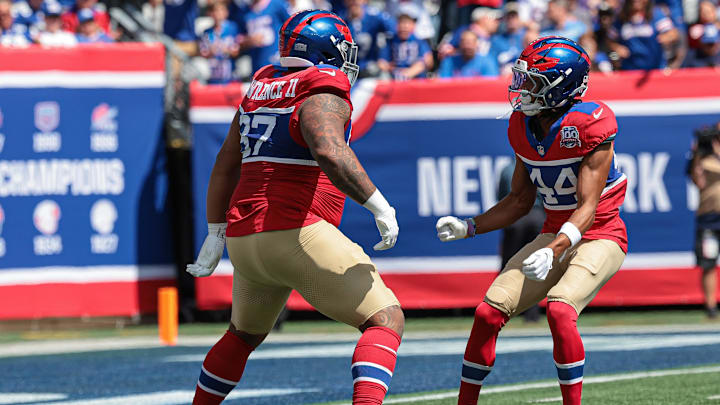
(286, 156)
(564, 149)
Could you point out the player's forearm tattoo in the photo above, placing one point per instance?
(322, 123)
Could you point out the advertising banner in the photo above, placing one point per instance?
(83, 228)
(437, 147)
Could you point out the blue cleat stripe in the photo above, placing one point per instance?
(214, 384)
(474, 373)
(567, 374)
(371, 372)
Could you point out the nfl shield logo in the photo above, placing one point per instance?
(541, 150)
(47, 115)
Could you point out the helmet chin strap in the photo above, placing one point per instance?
(529, 108)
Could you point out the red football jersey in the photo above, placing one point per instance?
(281, 185)
(553, 165)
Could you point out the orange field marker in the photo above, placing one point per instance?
(168, 315)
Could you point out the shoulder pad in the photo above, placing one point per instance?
(595, 122)
(325, 79)
(264, 72)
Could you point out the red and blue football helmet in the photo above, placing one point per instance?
(549, 73)
(314, 37)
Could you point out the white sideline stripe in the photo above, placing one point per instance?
(223, 380)
(455, 346)
(177, 397)
(539, 401)
(82, 80)
(85, 274)
(714, 397)
(26, 398)
(550, 384)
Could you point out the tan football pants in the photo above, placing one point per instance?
(329, 270)
(575, 280)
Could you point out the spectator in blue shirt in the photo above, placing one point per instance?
(179, 21)
(640, 34)
(88, 30)
(485, 23)
(367, 24)
(258, 24)
(704, 37)
(30, 13)
(11, 34)
(561, 22)
(467, 63)
(405, 56)
(218, 44)
(509, 41)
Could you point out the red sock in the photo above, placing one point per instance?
(221, 370)
(373, 364)
(568, 350)
(480, 352)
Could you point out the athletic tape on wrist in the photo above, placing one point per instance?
(376, 203)
(572, 232)
(471, 227)
(217, 229)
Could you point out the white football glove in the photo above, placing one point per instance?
(451, 228)
(384, 219)
(211, 251)
(389, 229)
(538, 264)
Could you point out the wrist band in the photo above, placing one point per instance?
(471, 227)
(376, 203)
(572, 232)
(217, 229)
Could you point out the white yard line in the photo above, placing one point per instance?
(538, 401)
(714, 397)
(456, 346)
(48, 347)
(177, 397)
(27, 398)
(550, 384)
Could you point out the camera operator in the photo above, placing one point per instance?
(704, 169)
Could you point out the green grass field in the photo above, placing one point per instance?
(692, 386)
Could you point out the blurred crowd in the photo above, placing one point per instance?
(399, 39)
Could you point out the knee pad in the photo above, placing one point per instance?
(490, 316)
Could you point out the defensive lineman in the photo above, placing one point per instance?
(290, 135)
(564, 150)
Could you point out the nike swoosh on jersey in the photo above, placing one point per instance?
(598, 113)
(329, 72)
